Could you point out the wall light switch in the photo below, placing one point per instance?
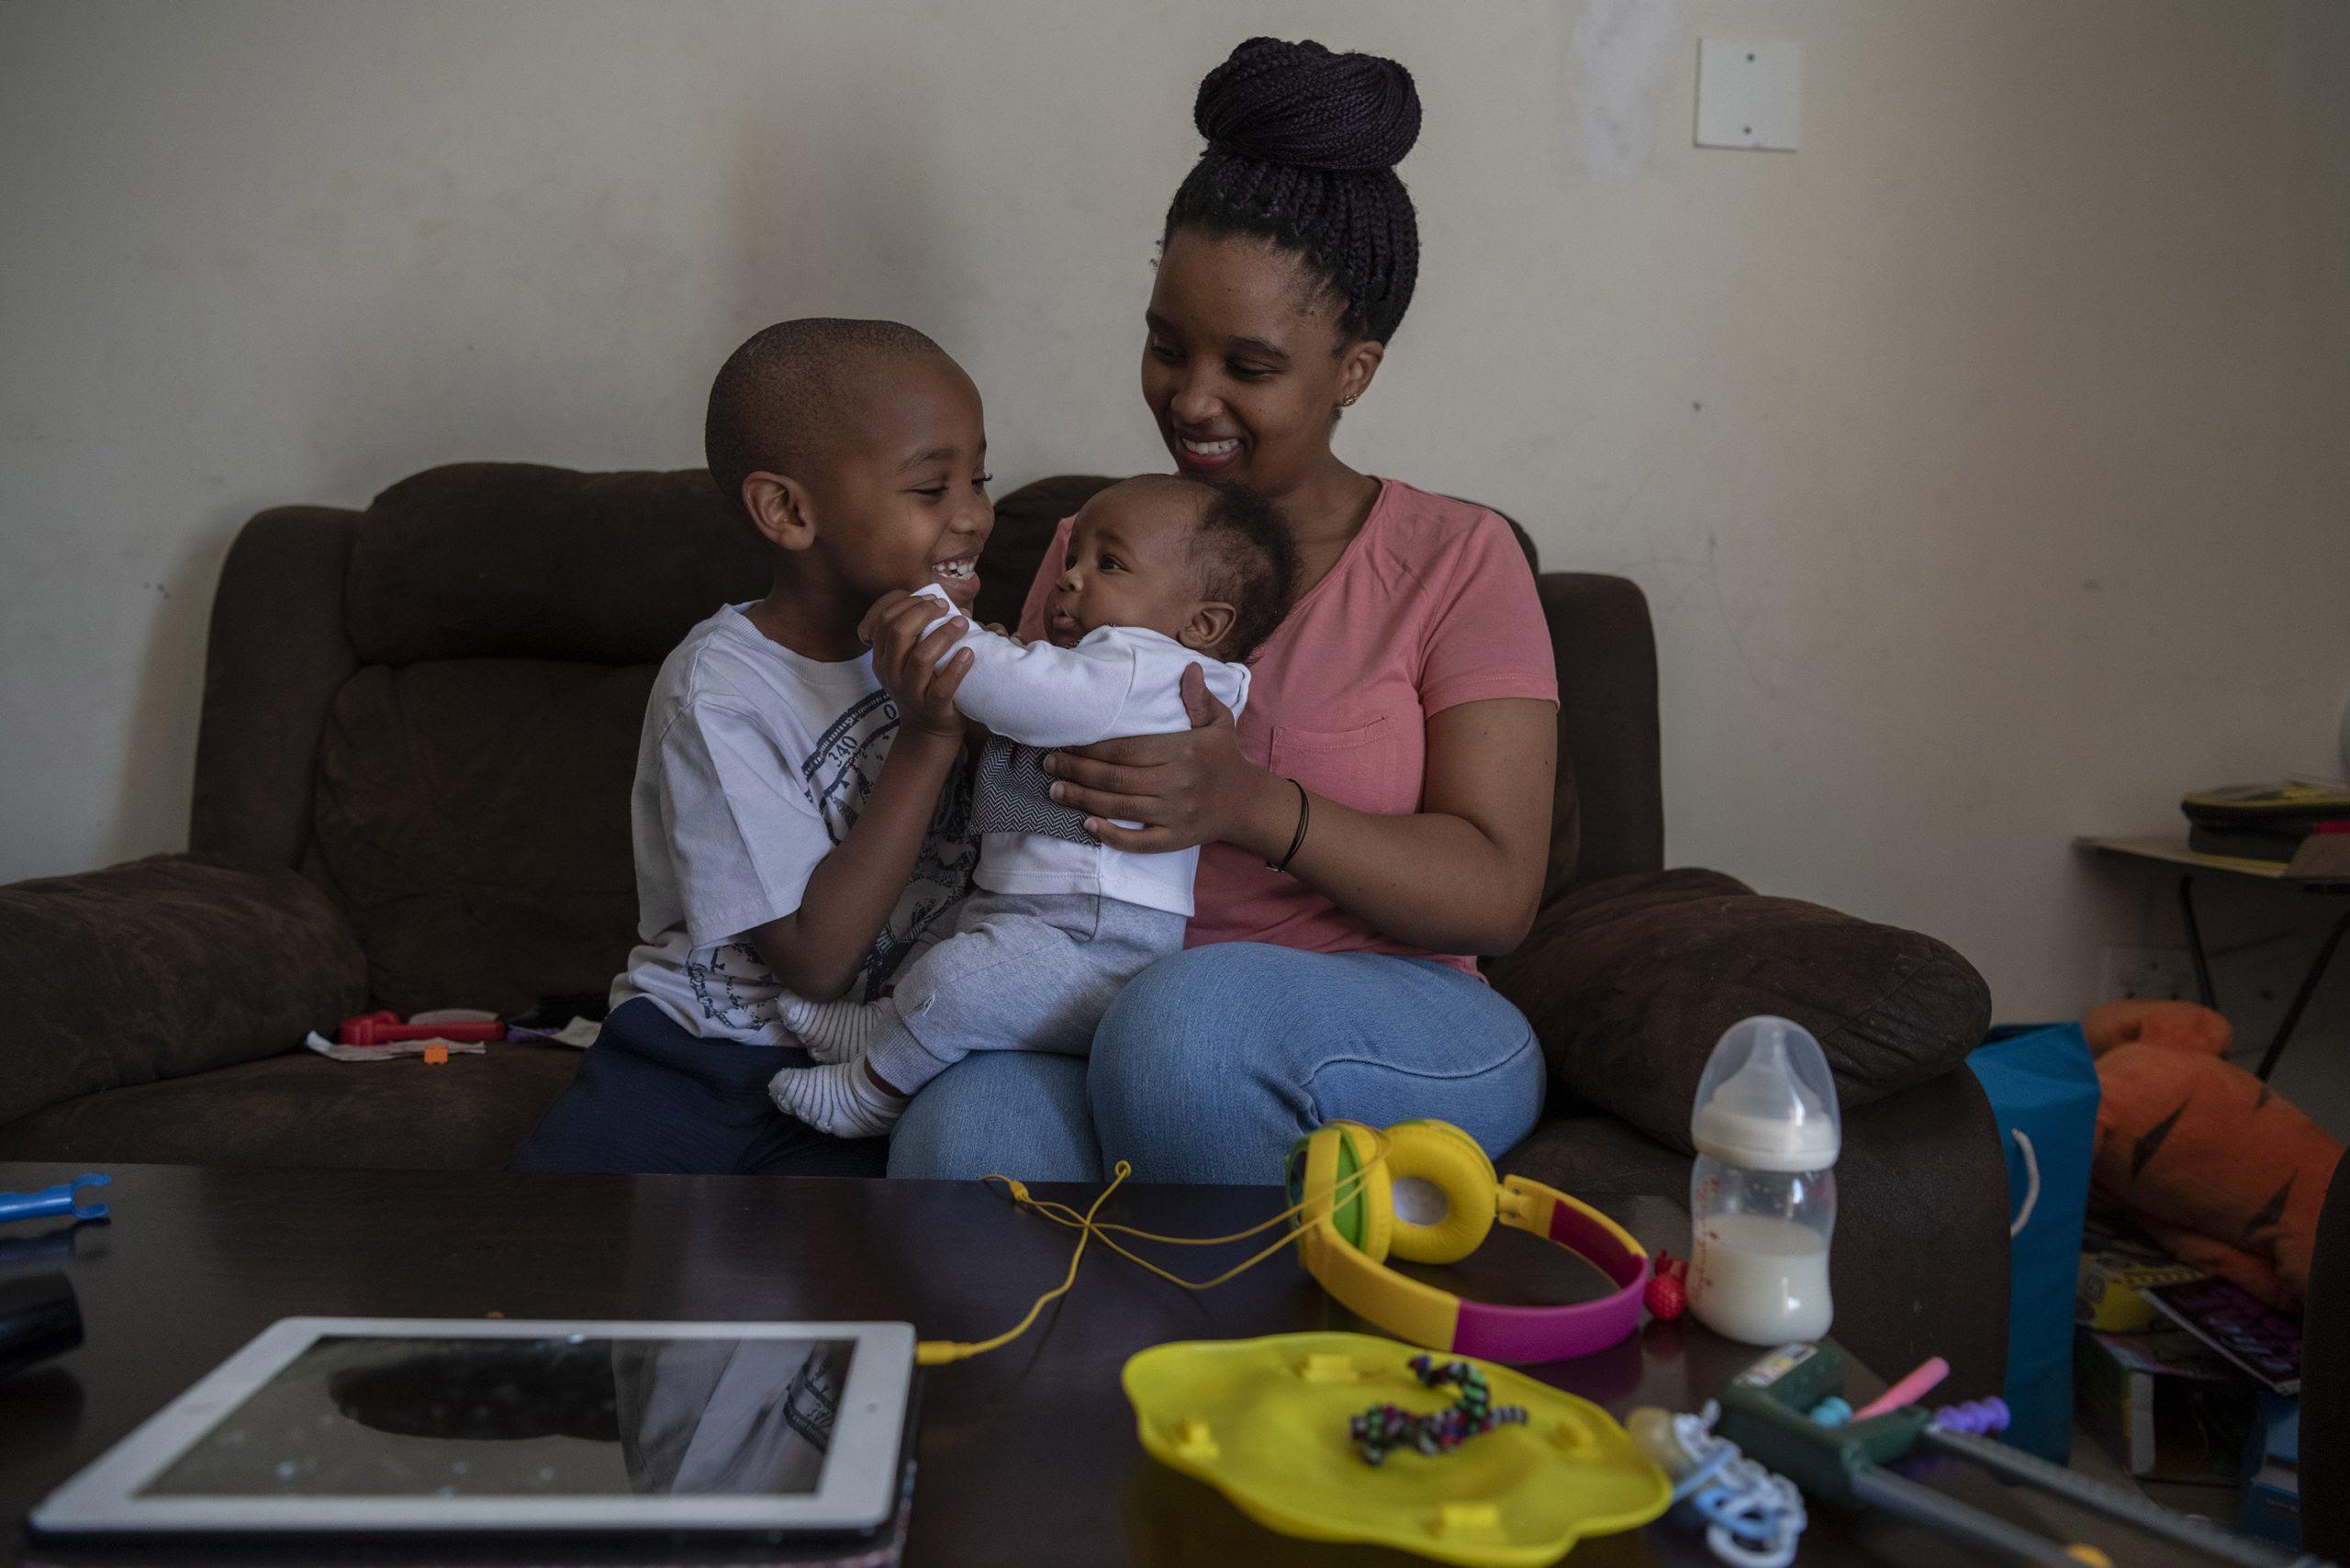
(1749, 94)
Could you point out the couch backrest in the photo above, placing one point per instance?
(432, 708)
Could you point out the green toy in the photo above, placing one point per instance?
(1766, 1412)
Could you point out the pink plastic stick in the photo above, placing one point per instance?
(1909, 1391)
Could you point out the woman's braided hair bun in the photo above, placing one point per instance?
(1302, 145)
(1301, 104)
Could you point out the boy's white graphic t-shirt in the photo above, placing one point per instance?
(753, 763)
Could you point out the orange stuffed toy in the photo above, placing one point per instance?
(2224, 1173)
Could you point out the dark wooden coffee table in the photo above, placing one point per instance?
(1027, 1456)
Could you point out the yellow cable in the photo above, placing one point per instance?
(940, 1353)
(1342, 1190)
(1142, 1263)
(1069, 1219)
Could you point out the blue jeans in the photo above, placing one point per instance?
(1212, 1060)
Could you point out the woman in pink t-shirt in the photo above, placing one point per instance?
(1381, 813)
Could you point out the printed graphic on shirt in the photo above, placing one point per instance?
(731, 983)
(846, 759)
(840, 773)
(733, 986)
(942, 876)
(813, 1400)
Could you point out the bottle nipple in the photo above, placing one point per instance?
(1767, 1099)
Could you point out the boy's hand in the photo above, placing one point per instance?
(905, 660)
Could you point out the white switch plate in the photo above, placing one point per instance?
(1749, 94)
(2149, 974)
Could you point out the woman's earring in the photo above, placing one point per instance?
(1348, 400)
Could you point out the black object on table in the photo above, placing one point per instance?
(39, 1318)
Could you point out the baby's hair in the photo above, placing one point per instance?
(777, 400)
(1302, 151)
(1246, 559)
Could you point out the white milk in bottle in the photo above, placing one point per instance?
(1763, 1192)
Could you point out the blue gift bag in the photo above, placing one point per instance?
(2042, 1083)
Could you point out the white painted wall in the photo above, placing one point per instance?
(1988, 462)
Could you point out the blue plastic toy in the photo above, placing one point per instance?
(57, 1200)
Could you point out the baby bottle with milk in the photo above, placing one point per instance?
(1761, 1196)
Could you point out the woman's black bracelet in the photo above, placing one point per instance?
(1305, 815)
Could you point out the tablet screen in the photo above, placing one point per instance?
(574, 1416)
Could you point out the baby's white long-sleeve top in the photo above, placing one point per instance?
(1119, 681)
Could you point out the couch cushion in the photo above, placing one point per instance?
(511, 560)
(303, 1110)
(148, 971)
(1630, 982)
(473, 820)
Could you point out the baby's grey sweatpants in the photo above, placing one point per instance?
(1015, 972)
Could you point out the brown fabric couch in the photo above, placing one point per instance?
(419, 732)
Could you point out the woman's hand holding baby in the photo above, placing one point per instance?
(906, 654)
(1187, 789)
(1478, 817)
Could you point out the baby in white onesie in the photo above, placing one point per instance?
(1163, 573)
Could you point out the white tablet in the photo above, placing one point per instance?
(432, 1425)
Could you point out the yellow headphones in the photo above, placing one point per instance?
(1422, 1190)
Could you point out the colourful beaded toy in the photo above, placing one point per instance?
(1384, 1427)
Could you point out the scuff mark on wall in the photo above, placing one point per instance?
(1620, 57)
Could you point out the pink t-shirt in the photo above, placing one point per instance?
(1432, 605)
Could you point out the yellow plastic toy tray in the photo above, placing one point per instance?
(1265, 1422)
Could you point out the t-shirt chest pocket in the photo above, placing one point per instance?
(1373, 766)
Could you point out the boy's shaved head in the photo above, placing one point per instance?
(782, 397)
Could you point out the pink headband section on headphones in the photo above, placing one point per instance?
(1528, 1334)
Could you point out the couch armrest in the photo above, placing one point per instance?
(162, 967)
(1920, 1259)
(1629, 982)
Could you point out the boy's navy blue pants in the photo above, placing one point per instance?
(649, 1096)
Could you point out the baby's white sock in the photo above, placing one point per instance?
(837, 1031)
(840, 1097)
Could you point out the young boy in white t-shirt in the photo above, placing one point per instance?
(798, 813)
(1163, 573)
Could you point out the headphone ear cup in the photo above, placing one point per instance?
(1435, 1157)
(1475, 1148)
(1341, 1160)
